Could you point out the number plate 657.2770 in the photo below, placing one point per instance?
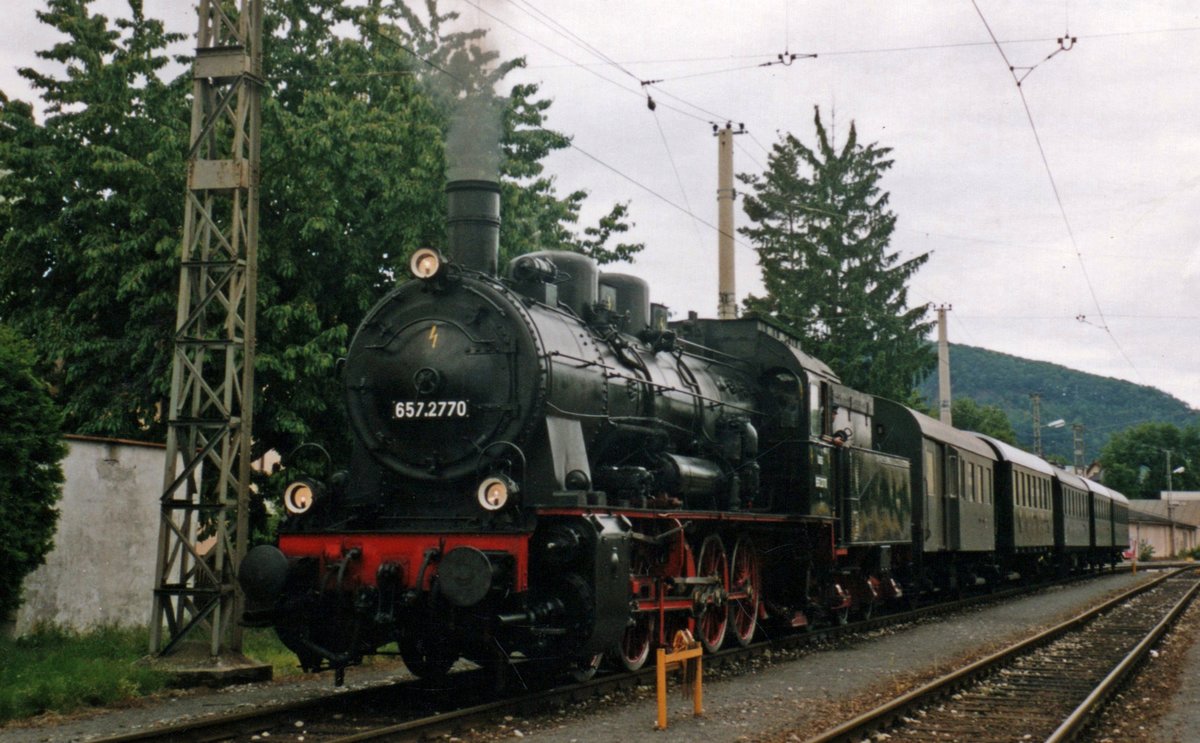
(429, 409)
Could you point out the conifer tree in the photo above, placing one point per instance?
(821, 228)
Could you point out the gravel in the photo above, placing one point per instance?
(1161, 703)
(788, 698)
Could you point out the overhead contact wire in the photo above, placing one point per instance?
(1057, 196)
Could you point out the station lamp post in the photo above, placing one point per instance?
(1037, 438)
(1170, 497)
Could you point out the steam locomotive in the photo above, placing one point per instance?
(545, 466)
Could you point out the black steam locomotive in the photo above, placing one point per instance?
(545, 466)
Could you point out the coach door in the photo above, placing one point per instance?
(935, 508)
(953, 502)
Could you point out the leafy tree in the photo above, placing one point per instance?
(88, 236)
(1135, 460)
(358, 101)
(986, 419)
(821, 228)
(31, 449)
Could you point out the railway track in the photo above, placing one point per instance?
(413, 710)
(1045, 688)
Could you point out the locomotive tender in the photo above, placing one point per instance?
(544, 466)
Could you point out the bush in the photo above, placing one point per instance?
(31, 450)
(1145, 550)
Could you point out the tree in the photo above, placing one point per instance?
(990, 420)
(92, 222)
(821, 229)
(355, 114)
(1135, 461)
(31, 449)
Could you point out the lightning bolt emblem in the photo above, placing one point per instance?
(433, 337)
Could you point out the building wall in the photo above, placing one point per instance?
(101, 569)
(1159, 537)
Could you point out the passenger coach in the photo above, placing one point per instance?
(1024, 508)
(954, 524)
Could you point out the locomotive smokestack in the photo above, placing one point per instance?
(473, 224)
(472, 188)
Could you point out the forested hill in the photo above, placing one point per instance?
(1103, 405)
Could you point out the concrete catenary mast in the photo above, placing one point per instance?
(943, 368)
(207, 474)
(726, 289)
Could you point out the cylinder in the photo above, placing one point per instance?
(690, 477)
(473, 224)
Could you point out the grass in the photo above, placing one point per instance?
(54, 670)
(264, 646)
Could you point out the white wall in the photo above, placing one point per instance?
(101, 569)
(1158, 536)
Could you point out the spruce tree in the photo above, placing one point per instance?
(821, 228)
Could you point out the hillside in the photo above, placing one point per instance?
(1103, 405)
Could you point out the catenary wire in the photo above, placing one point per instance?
(1057, 195)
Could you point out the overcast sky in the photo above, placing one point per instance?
(1100, 277)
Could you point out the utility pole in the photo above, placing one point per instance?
(209, 420)
(726, 291)
(1037, 422)
(943, 367)
(1077, 429)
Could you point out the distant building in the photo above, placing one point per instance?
(1170, 526)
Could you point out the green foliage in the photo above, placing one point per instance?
(86, 238)
(353, 163)
(1103, 405)
(1145, 550)
(969, 415)
(821, 228)
(31, 449)
(1136, 460)
(53, 670)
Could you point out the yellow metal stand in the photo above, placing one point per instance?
(685, 654)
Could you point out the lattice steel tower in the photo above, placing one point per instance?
(207, 474)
